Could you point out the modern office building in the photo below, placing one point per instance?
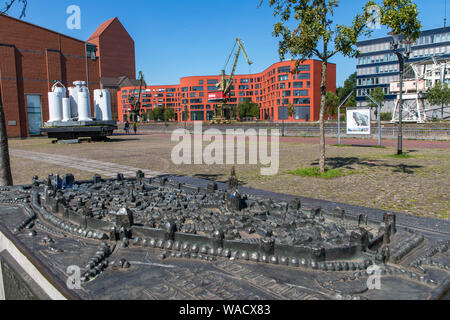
(378, 66)
(32, 58)
(272, 89)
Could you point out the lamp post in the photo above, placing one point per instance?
(403, 55)
(185, 116)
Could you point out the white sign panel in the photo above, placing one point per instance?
(358, 121)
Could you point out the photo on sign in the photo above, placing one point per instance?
(358, 121)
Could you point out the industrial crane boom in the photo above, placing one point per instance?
(136, 103)
(226, 84)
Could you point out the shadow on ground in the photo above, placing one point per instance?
(217, 178)
(350, 162)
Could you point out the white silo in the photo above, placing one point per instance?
(79, 86)
(73, 95)
(84, 110)
(66, 109)
(102, 101)
(55, 106)
(61, 90)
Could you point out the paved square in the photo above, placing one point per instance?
(418, 185)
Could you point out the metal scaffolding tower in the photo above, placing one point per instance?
(419, 78)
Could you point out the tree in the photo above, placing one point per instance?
(158, 114)
(248, 109)
(439, 95)
(349, 86)
(332, 102)
(9, 5)
(315, 29)
(378, 95)
(169, 114)
(5, 163)
(291, 110)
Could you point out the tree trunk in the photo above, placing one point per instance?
(323, 93)
(5, 167)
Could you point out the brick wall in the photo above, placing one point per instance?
(116, 51)
(31, 59)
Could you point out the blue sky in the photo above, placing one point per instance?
(177, 38)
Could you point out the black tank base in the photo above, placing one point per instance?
(97, 133)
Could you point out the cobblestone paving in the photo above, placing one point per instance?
(105, 169)
(419, 185)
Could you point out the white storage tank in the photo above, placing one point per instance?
(102, 101)
(66, 109)
(55, 106)
(61, 90)
(73, 95)
(84, 110)
(79, 86)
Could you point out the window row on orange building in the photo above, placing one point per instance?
(273, 90)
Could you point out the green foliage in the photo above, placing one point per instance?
(401, 156)
(158, 114)
(248, 109)
(439, 94)
(169, 114)
(291, 110)
(401, 16)
(349, 86)
(314, 28)
(315, 34)
(315, 173)
(378, 95)
(332, 102)
(386, 116)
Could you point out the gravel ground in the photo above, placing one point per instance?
(418, 185)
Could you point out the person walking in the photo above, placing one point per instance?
(127, 127)
(135, 128)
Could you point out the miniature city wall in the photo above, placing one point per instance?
(77, 219)
(183, 223)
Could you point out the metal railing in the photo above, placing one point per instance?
(388, 132)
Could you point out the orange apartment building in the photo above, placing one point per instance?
(32, 58)
(272, 89)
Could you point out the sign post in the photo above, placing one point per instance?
(339, 115)
(378, 115)
(358, 121)
(283, 114)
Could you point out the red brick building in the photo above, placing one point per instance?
(32, 58)
(115, 50)
(273, 90)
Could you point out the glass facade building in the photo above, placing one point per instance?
(377, 65)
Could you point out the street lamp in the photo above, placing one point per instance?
(403, 55)
(185, 116)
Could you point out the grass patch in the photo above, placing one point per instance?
(401, 156)
(315, 173)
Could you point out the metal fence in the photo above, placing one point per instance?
(388, 132)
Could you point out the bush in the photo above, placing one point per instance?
(386, 116)
(314, 172)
